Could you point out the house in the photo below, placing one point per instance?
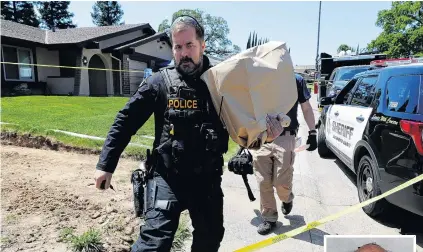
(131, 47)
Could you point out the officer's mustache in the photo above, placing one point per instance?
(186, 60)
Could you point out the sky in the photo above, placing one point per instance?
(294, 22)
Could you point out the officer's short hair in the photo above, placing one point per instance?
(186, 20)
(371, 245)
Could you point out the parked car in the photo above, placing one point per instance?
(341, 75)
(375, 127)
(307, 77)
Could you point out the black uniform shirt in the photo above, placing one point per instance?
(303, 96)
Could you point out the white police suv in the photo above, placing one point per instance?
(374, 126)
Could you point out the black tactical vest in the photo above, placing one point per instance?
(193, 138)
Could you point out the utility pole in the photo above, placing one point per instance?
(318, 35)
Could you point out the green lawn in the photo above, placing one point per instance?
(93, 116)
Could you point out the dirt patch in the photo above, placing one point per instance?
(41, 142)
(45, 193)
(45, 143)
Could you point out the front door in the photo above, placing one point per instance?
(340, 130)
(97, 78)
(360, 110)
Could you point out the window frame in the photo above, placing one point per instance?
(32, 79)
(356, 88)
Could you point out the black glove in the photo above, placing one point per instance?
(241, 163)
(312, 141)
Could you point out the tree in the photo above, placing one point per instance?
(163, 26)
(107, 13)
(344, 47)
(402, 33)
(55, 14)
(20, 12)
(252, 40)
(216, 32)
(7, 11)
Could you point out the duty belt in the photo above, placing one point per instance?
(292, 132)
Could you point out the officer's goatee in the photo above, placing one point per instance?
(190, 70)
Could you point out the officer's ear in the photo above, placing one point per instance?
(203, 45)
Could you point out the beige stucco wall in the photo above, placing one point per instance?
(46, 57)
(152, 48)
(120, 39)
(84, 86)
(135, 78)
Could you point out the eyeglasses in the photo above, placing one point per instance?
(191, 19)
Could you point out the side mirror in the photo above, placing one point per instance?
(326, 101)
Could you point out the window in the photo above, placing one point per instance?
(365, 92)
(403, 93)
(333, 75)
(17, 55)
(348, 73)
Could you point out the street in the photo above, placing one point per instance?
(322, 187)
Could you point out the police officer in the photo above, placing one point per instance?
(274, 162)
(189, 144)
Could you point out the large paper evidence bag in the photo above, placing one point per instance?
(253, 83)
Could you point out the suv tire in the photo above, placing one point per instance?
(322, 148)
(368, 186)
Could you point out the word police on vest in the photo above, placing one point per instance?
(182, 103)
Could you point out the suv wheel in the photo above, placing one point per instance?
(322, 148)
(368, 186)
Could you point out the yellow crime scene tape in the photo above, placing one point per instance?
(332, 217)
(86, 68)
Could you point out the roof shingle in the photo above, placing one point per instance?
(64, 36)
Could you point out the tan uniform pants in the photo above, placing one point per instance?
(273, 165)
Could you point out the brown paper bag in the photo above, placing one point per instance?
(253, 83)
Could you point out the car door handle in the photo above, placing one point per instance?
(336, 113)
(360, 118)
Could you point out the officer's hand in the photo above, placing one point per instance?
(274, 127)
(312, 140)
(101, 176)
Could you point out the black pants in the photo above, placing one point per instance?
(168, 196)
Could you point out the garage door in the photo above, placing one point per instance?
(135, 78)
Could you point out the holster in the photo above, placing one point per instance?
(138, 186)
(139, 180)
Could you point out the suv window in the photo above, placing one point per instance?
(365, 92)
(403, 93)
(348, 73)
(333, 75)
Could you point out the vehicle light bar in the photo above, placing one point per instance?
(396, 62)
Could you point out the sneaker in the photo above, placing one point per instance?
(286, 207)
(265, 227)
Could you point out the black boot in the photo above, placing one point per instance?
(265, 227)
(286, 207)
